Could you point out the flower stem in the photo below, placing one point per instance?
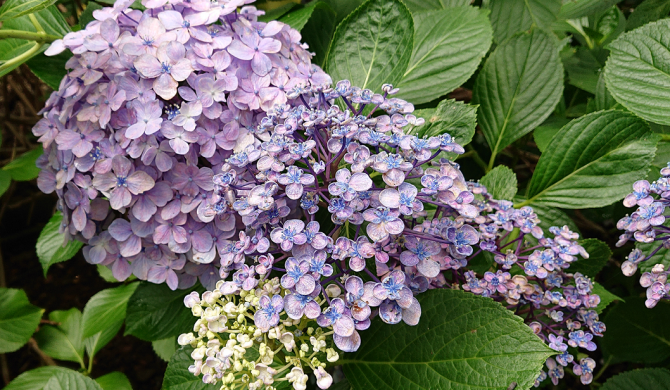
(41, 37)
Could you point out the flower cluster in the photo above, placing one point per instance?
(647, 227)
(192, 141)
(153, 104)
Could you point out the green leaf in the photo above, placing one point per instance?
(177, 376)
(107, 307)
(637, 334)
(592, 161)
(49, 18)
(165, 348)
(14, 8)
(276, 13)
(18, 319)
(462, 341)
(551, 216)
(451, 116)
(65, 341)
(609, 24)
(547, 130)
(87, 15)
(51, 70)
(509, 17)
(599, 253)
(604, 100)
(448, 46)
(501, 182)
(114, 381)
(518, 87)
(96, 342)
(583, 69)
(298, 19)
(662, 256)
(648, 11)
(637, 74)
(572, 9)
(50, 249)
(52, 378)
(318, 32)
(23, 168)
(5, 181)
(155, 312)
(106, 274)
(606, 297)
(343, 8)
(372, 46)
(642, 379)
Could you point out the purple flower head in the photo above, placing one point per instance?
(294, 180)
(347, 184)
(268, 312)
(585, 370)
(640, 196)
(289, 235)
(335, 316)
(382, 222)
(462, 238)
(402, 198)
(297, 305)
(298, 276)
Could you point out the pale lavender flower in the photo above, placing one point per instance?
(335, 316)
(168, 67)
(268, 311)
(122, 183)
(148, 119)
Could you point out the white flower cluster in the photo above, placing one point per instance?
(229, 349)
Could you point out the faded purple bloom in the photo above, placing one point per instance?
(335, 316)
(382, 223)
(297, 305)
(163, 272)
(168, 67)
(402, 198)
(122, 183)
(299, 276)
(294, 180)
(347, 184)
(148, 119)
(462, 239)
(289, 235)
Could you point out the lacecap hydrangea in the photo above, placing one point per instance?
(190, 141)
(648, 228)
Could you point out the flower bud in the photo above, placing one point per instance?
(185, 339)
(323, 379)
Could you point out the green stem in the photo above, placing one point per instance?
(21, 58)
(664, 137)
(603, 368)
(40, 37)
(36, 23)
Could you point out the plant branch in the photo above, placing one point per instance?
(41, 37)
(18, 60)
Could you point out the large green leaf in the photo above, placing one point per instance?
(509, 17)
(448, 46)
(583, 69)
(451, 116)
(662, 256)
(592, 161)
(432, 5)
(177, 376)
(5, 181)
(114, 381)
(599, 252)
(637, 334)
(643, 379)
(106, 308)
(51, 70)
(606, 297)
(648, 11)
(165, 348)
(298, 19)
(518, 87)
(97, 341)
(23, 168)
(18, 319)
(372, 46)
(463, 341)
(500, 182)
(547, 130)
(52, 378)
(318, 32)
(50, 249)
(65, 341)
(572, 9)
(638, 73)
(155, 312)
(14, 8)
